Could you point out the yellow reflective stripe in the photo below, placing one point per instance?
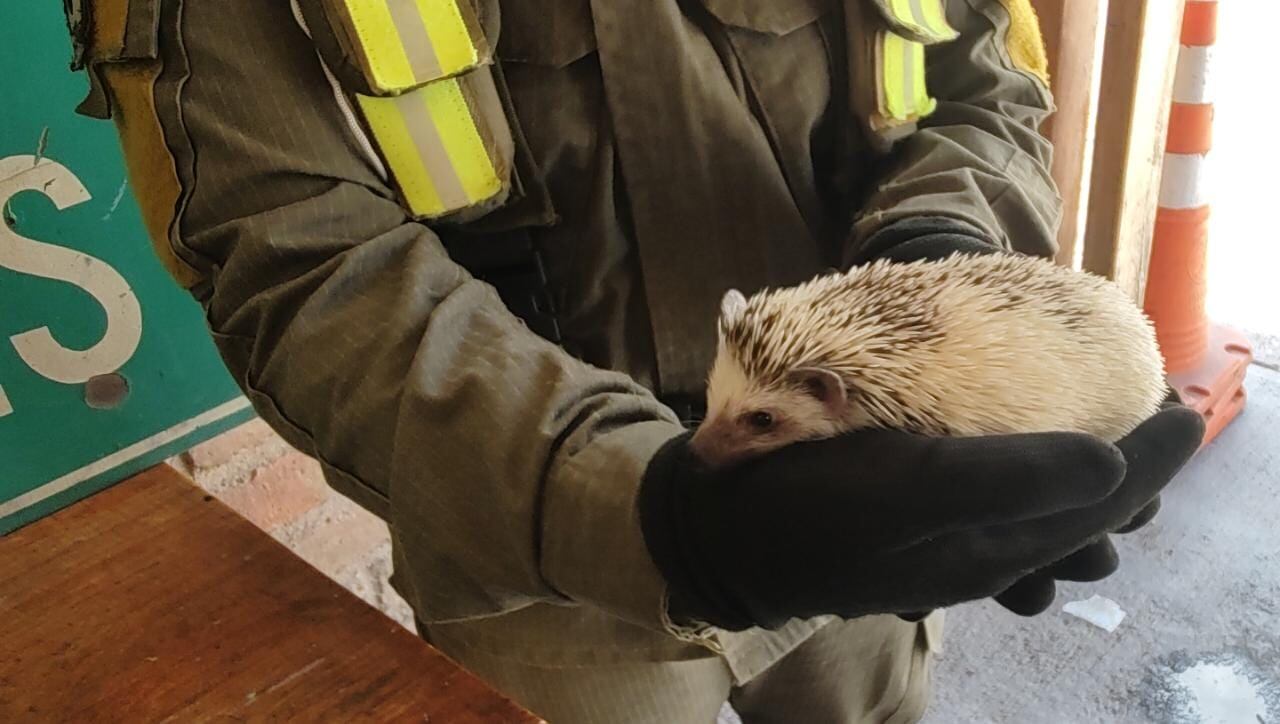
(894, 77)
(904, 91)
(387, 123)
(462, 140)
(923, 18)
(376, 32)
(934, 17)
(454, 47)
(407, 43)
(901, 10)
(434, 147)
(921, 103)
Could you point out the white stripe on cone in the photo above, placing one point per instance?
(1191, 84)
(1182, 182)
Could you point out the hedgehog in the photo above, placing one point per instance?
(968, 345)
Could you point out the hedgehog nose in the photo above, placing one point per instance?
(708, 447)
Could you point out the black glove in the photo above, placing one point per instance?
(1034, 593)
(934, 238)
(881, 521)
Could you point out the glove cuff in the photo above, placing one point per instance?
(924, 238)
(667, 506)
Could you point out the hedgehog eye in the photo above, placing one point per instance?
(760, 420)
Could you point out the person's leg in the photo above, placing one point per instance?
(671, 692)
(874, 669)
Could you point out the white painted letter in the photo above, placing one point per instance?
(37, 347)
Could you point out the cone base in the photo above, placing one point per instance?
(1215, 388)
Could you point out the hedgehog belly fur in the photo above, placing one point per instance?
(965, 346)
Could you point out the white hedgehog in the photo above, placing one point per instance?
(965, 346)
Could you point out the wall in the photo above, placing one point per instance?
(281, 491)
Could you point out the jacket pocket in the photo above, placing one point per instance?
(772, 17)
(789, 69)
(554, 34)
(386, 49)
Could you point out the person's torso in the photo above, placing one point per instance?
(686, 147)
(679, 148)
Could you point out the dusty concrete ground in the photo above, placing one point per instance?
(1266, 348)
(1200, 643)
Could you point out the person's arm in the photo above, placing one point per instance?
(507, 468)
(976, 169)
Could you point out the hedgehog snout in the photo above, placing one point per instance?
(714, 446)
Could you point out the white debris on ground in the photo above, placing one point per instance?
(1099, 611)
(1218, 693)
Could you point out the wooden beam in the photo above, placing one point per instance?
(1139, 63)
(1074, 42)
(152, 601)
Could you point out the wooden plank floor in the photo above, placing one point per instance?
(153, 602)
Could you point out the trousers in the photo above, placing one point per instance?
(870, 670)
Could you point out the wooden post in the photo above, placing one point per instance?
(1074, 44)
(1139, 62)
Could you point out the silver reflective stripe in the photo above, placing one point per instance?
(917, 12)
(414, 39)
(909, 70)
(426, 138)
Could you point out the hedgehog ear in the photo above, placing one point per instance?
(732, 305)
(824, 385)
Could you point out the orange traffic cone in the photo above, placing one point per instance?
(1206, 362)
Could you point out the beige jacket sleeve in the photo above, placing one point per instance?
(358, 339)
(979, 157)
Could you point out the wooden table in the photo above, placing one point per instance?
(152, 601)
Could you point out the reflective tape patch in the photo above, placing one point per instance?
(455, 42)
(465, 147)
(1182, 181)
(402, 44)
(437, 145)
(1191, 84)
(904, 95)
(921, 20)
(409, 164)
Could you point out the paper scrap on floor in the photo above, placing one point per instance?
(1101, 612)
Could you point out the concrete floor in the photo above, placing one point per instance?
(1200, 643)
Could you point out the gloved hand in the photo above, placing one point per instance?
(1034, 593)
(882, 521)
(934, 238)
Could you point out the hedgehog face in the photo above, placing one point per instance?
(747, 418)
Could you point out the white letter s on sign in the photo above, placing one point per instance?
(37, 347)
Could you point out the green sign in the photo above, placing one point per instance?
(105, 364)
